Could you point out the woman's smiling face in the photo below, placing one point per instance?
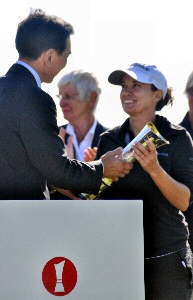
(137, 97)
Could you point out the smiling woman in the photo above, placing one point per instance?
(159, 178)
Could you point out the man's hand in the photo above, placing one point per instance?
(114, 166)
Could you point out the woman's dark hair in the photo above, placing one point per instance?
(39, 32)
(167, 100)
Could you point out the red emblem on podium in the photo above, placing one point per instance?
(59, 276)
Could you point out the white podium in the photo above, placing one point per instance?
(71, 250)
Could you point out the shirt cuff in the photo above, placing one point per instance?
(103, 166)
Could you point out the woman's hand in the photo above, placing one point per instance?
(67, 193)
(147, 157)
(69, 146)
(90, 153)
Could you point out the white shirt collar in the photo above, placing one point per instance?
(87, 141)
(34, 73)
(70, 128)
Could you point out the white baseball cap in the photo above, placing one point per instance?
(142, 73)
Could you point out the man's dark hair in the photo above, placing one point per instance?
(39, 32)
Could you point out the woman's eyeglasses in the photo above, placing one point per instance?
(67, 96)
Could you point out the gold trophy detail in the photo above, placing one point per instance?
(149, 132)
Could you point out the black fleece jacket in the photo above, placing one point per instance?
(165, 229)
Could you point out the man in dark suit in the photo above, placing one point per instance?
(31, 152)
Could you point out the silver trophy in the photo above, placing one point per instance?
(149, 132)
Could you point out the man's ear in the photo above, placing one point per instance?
(49, 56)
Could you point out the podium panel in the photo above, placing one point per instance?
(71, 250)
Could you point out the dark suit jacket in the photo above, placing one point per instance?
(31, 152)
